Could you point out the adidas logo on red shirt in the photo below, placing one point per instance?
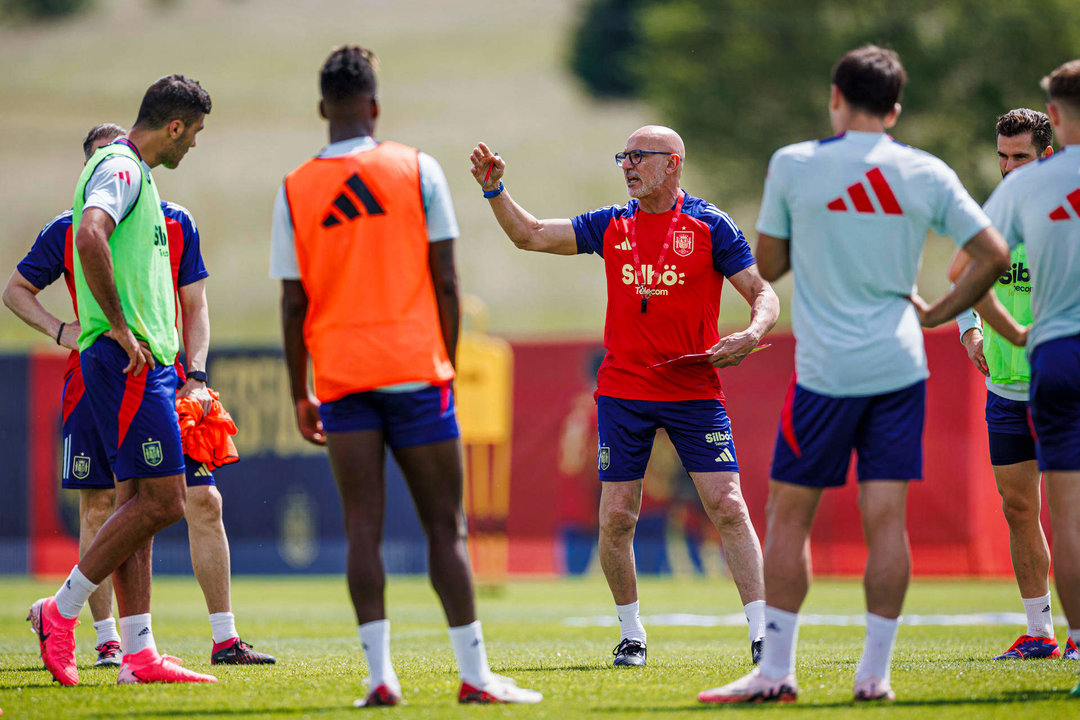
(860, 199)
(1062, 213)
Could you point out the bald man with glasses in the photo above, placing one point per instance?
(666, 254)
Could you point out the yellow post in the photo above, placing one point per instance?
(484, 394)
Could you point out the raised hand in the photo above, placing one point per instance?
(487, 167)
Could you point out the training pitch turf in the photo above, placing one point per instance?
(307, 623)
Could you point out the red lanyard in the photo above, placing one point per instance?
(646, 290)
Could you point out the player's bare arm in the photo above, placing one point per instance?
(294, 304)
(764, 310)
(195, 314)
(20, 296)
(989, 258)
(554, 236)
(995, 314)
(773, 257)
(444, 278)
(959, 263)
(92, 242)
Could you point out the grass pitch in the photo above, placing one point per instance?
(307, 623)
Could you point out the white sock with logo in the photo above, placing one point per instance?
(106, 631)
(223, 627)
(468, 642)
(136, 634)
(73, 594)
(877, 652)
(1039, 618)
(781, 638)
(375, 638)
(755, 618)
(630, 622)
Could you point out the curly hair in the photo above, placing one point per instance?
(1022, 120)
(349, 71)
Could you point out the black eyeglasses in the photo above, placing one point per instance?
(637, 156)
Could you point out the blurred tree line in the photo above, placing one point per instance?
(40, 9)
(740, 78)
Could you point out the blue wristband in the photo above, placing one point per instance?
(489, 194)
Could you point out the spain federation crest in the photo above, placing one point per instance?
(80, 467)
(605, 457)
(151, 452)
(683, 243)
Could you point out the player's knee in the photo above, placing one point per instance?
(1019, 508)
(97, 508)
(883, 526)
(446, 529)
(166, 508)
(203, 506)
(726, 508)
(618, 521)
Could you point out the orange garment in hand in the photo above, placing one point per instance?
(207, 439)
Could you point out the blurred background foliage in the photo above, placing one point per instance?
(40, 9)
(739, 78)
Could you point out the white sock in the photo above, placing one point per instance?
(223, 627)
(136, 634)
(781, 637)
(630, 622)
(877, 653)
(106, 631)
(1039, 618)
(755, 617)
(375, 637)
(73, 594)
(468, 642)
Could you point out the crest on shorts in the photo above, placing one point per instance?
(683, 243)
(605, 457)
(151, 452)
(80, 467)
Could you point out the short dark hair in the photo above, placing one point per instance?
(173, 97)
(1063, 84)
(870, 78)
(1022, 120)
(98, 132)
(349, 71)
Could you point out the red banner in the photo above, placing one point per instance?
(954, 515)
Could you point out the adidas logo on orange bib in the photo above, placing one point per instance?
(345, 203)
(860, 199)
(1062, 213)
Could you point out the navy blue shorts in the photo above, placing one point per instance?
(818, 433)
(136, 416)
(1009, 430)
(699, 430)
(1055, 402)
(407, 419)
(86, 464)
